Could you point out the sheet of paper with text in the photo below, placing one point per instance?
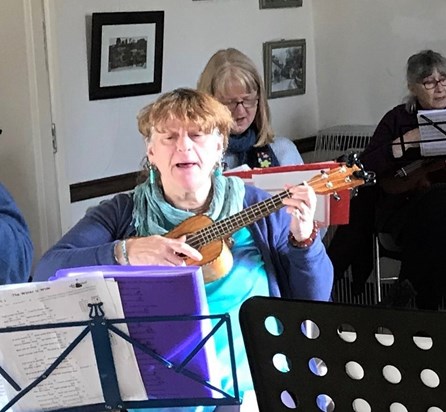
(25, 355)
(432, 132)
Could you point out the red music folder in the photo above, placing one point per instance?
(330, 211)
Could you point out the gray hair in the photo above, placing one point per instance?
(420, 66)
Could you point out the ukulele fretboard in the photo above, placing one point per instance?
(228, 226)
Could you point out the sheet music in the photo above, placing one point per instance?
(432, 127)
(165, 291)
(242, 168)
(131, 389)
(25, 355)
(3, 395)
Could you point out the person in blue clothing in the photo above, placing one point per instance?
(186, 133)
(233, 79)
(16, 248)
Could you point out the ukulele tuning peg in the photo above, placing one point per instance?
(342, 159)
(354, 192)
(352, 159)
(324, 174)
(336, 197)
(368, 177)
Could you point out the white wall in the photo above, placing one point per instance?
(356, 52)
(361, 51)
(100, 138)
(26, 159)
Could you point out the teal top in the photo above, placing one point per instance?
(226, 295)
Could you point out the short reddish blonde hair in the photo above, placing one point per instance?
(188, 106)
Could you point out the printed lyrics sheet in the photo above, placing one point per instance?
(432, 132)
(27, 354)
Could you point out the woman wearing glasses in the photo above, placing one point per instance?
(412, 198)
(233, 79)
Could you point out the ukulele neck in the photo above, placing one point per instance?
(230, 225)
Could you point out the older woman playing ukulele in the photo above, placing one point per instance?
(168, 220)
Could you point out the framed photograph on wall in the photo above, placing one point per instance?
(126, 54)
(278, 4)
(284, 67)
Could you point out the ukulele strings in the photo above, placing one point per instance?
(231, 224)
(253, 213)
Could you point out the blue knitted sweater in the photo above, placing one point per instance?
(16, 248)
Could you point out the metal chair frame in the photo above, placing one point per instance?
(384, 246)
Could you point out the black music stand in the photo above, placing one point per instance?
(344, 357)
(101, 329)
(424, 122)
(438, 125)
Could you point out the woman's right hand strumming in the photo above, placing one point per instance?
(155, 250)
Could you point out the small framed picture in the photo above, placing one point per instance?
(126, 54)
(284, 67)
(278, 4)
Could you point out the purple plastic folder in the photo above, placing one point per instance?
(163, 291)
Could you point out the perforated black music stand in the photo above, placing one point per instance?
(332, 357)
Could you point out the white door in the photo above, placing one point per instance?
(28, 164)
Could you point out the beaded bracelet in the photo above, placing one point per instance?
(123, 246)
(307, 242)
(115, 246)
(125, 255)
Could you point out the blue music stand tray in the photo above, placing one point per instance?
(100, 327)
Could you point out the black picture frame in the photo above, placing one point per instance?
(278, 4)
(284, 64)
(126, 54)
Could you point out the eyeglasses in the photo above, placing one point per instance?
(246, 103)
(432, 84)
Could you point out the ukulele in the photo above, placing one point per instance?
(212, 238)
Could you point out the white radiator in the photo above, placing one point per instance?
(331, 143)
(342, 291)
(335, 141)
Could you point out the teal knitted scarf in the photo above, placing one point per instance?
(153, 215)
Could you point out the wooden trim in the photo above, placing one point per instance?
(122, 183)
(103, 187)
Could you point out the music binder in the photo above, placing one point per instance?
(324, 356)
(102, 330)
(335, 211)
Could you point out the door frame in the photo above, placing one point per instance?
(52, 189)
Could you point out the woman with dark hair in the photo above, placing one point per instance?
(412, 200)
